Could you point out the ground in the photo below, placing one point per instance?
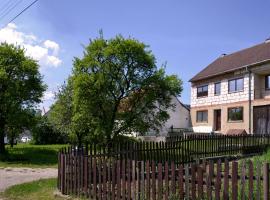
(27, 163)
(14, 176)
(37, 190)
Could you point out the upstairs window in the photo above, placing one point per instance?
(235, 114)
(202, 116)
(202, 91)
(267, 82)
(217, 88)
(236, 85)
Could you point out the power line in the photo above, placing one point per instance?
(9, 9)
(4, 7)
(26, 8)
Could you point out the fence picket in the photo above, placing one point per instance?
(118, 175)
(250, 184)
(266, 181)
(173, 185)
(166, 187)
(234, 180)
(181, 182)
(187, 181)
(226, 180)
(153, 186)
(193, 181)
(200, 182)
(243, 181)
(94, 178)
(258, 180)
(147, 180)
(113, 180)
(218, 181)
(160, 181)
(209, 179)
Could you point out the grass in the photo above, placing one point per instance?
(262, 158)
(29, 155)
(42, 190)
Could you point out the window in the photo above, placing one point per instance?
(236, 85)
(235, 114)
(202, 116)
(267, 82)
(202, 91)
(217, 88)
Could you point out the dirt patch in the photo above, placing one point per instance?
(14, 176)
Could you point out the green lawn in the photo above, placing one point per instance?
(28, 155)
(41, 190)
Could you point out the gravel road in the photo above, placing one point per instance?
(14, 176)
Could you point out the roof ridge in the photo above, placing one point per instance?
(247, 56)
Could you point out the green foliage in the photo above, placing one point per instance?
(45, 133)
(29, 155)
(25, 119)
(21, 87)
(118, 89)
(60, 113)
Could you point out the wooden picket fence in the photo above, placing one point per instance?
(178, 149)
(108, 178)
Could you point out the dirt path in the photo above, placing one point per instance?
(14, 176)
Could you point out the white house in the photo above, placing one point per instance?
(179, 118)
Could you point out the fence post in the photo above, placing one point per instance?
(258, 177)
(226, 180)
(250, 184)
(59, 173)
(234, 180)
(266, 181)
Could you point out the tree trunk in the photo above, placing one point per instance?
(2, 138)
(11, 141)
(79, 137)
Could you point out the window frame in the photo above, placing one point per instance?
(217, 94)
(202, 111)
(201, 96)
(235, 79)
(236, 120)
(267, 82)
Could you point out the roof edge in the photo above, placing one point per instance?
(249, 65)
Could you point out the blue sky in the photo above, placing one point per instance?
(187, 35)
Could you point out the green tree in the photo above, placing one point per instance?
(60, 112)
(45, 133)
(21, 85)
(25, 119)
(118, 88)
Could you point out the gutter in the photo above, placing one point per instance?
(249, 100)
(228, 71)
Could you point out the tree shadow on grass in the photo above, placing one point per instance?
(30, 156)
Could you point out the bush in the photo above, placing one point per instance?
(45, 133)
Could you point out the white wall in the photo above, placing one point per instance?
(179, 117)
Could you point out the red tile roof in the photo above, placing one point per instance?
(234, 61)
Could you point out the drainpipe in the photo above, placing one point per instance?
(249, 100)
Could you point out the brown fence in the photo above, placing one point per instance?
(100, 178)
(178, 149)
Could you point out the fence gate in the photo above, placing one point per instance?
(261, 119)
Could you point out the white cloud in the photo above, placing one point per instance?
(54, 61)
(52, 45)
(46, 52)
(48, 95)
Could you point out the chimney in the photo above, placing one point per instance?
(267, 40)
(223, 55)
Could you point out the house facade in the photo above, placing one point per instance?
(233, 93)
(179, 118)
